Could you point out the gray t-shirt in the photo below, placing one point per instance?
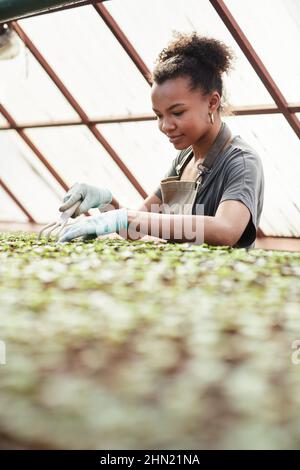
(237, 174)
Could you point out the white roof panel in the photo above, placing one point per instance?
(144, 149)
(9, 211)
(24, 179)
(79, 157)
(3, 121)
(279, 148)
(273, 28)
(149, 26)
(29, 94)
(90, 62)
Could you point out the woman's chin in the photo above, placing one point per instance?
(179, 145)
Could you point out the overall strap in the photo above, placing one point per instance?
(186, 156)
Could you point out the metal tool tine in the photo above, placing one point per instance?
(60, 223)
(42, 232)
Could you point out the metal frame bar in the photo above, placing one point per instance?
(236, 111)
(16, 201)
(75, 105)
(263, 109)
(123, 40)
(256, 63)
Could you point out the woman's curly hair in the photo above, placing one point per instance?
(201, 59)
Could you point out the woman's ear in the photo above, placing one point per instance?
(214, 101)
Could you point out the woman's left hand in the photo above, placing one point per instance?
(108, 222)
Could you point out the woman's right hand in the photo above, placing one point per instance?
(91, 196)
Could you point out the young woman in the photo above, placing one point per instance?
(213, 192)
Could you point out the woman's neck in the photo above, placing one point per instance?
(202, 146)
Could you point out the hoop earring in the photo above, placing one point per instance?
(212, 119)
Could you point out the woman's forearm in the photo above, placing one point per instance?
(177, 228)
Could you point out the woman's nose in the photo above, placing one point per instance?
(167, 126)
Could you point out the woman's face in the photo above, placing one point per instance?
(182, 114)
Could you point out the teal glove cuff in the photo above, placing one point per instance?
(112, 221)
(108, 222)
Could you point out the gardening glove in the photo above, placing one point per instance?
(91, 227)
(91, 197)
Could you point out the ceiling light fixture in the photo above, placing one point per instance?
(9, 43)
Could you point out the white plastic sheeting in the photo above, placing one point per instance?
(90, 61)
(77, 155)
(29, 94)
(9, 210)
(273, 28)
(279, 149)
(99, 74)
(149, 26)
(32, 186)
(3, 121)
(145, 150)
